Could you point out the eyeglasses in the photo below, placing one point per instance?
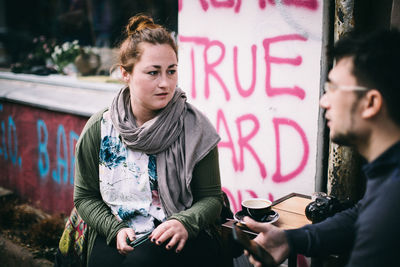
(329, 87)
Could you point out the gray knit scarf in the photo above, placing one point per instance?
(180, 136)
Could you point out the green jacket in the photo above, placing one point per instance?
(206, 188)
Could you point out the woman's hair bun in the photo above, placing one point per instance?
(140, 22)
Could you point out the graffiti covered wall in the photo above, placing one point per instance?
(37, 154)
(253, 67)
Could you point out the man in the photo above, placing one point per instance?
(362, 109)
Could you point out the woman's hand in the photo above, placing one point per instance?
(173, 230)
(122, 246)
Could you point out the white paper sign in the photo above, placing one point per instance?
(253, 67)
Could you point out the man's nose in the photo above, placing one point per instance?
(324, 101)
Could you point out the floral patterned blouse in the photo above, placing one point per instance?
(128, 181)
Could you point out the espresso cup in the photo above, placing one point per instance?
(256, 208)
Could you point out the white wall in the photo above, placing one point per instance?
(253, 67)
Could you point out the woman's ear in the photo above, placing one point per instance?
(125, 75)
(373, 104)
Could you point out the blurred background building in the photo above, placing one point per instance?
(92, 22)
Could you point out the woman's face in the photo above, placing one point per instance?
(153, 79)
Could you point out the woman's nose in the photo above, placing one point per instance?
(163, 80)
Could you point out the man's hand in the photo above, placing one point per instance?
(173, 230)
(122, 246)
(271, 238)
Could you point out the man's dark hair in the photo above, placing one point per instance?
(376, 58)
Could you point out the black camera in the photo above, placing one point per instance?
(324, 207)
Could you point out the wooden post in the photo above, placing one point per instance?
(344, 179)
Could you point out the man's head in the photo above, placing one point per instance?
(364, 83)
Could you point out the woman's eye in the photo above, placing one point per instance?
(171, 72)
(152, 73)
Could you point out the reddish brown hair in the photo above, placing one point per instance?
(141, 28)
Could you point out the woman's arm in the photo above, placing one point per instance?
(87, 197)
(207, 196)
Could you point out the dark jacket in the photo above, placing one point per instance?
(369, 231)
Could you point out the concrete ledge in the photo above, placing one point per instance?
(79, 98)
(13, 255)
(61, 80)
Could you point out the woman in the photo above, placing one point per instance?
(149, 163)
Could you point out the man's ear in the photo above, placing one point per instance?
(372, 104)
(125, 74)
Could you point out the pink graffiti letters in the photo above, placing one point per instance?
(236, 201)
(243, 142)
(229, 143)
(277, 176)
(193, 73)
(210, 68)
(179, 5)
(223, 3)
(205, 5)
(243, 92)
(295, 91)
(308, 4)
